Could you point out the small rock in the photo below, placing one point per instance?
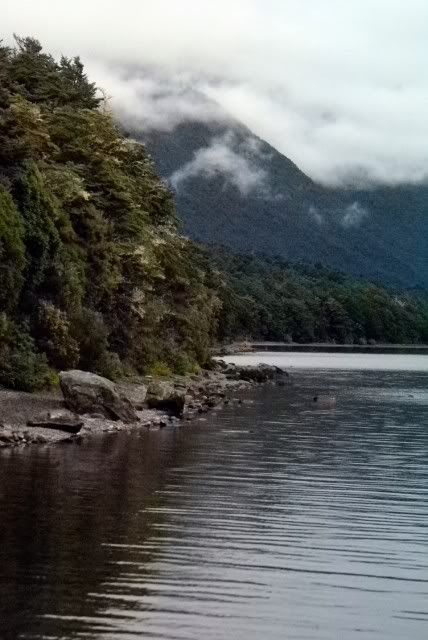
(254, 373)
(326, 402)
(64, 420)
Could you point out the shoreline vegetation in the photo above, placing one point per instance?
(249, 346)
(149, 403)
(96, 275)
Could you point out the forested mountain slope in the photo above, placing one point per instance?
(379, 233)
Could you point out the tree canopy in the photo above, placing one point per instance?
(94, 272)
(270, 299)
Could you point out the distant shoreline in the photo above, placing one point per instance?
(249, 347)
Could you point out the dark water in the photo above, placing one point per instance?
(267, 521)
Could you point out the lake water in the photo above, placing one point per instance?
(269, 520)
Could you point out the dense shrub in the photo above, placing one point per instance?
(90, 256)
(53, 327)
(21, 367)
(159, 369)
(12, 252)
(109, 365)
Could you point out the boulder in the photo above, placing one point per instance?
(86, 392)
(135, 392)
(167, 397)
(63, 420)
(6, 436)
(255, 373)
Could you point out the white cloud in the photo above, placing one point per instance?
(354, 215)
(222, 159)
(339, 87)
(316, 215)
(148, 99)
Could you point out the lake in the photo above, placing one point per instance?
(268, 520)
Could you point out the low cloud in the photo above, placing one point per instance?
(341, 90)
(315, 214)
(354, 215)
(149, 99)
(222, 158)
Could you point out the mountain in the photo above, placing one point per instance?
(236, 190)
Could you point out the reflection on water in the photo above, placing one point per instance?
(269, 520)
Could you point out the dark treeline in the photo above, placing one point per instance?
(268, 299)
(93, 271)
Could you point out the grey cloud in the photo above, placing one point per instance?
(340, 88)
(222, 158)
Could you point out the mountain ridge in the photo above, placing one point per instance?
(291, 215)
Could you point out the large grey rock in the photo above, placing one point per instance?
(166, 396)
(86, 392)
(135, 392)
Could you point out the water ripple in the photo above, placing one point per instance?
(270, 520)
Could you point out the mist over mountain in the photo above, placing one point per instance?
(236, 190)
(97, 274)
(341, 91)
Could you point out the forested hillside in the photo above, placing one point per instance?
(378, 233)
(93, 272)
(269, 299)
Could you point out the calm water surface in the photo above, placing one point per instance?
(267, 521)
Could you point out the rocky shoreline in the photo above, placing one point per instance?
(91, 405)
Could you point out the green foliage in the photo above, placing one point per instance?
(41, 235)
(110, 366)
(12, 252)
(40, 79)
(184, 365)
(269, 299)
(53, 327)
(90, 256)
(159, 369)
(91, 334)
(21, 367)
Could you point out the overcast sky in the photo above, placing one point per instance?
(339, 86)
